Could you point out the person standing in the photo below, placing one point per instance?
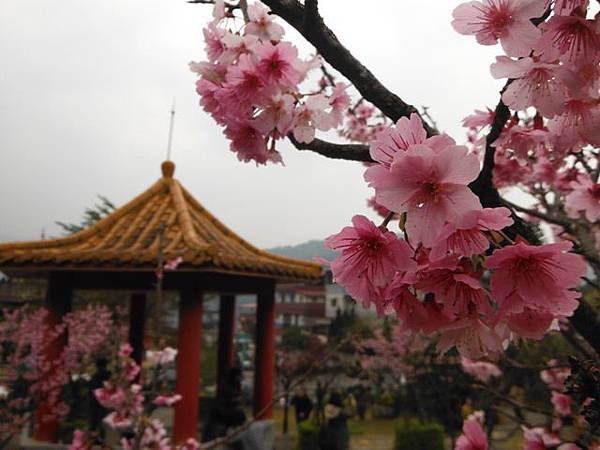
(335, 434)
(303, 405)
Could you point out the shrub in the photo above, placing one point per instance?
(308, 435)
(414, 435)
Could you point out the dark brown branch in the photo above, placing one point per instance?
(483, 186)
(586, 322)
(310, 24)
(351, 152)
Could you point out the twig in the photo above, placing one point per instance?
(514, 403)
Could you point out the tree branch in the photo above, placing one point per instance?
(351, 152)
(310, 24)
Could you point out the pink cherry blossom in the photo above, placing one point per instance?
(379, 209)
(125, 350)
(369, 257)
(570, 446)
(577, 126)
(117, 420)
(472, 338)
(79, 441)
(479, 119)
(506, 20)
(482, 370)
(339, 100)
(416, 316)
(172, 264)
(530, 323)
(566, 7)
(207, 91)
(311, 116)
(277, 115)
(466, 237)
(457, 289)
(508, 170)
(398, 138)
(562, 403)
(555, 376)
(243, 88)
(572, 39)
(538, 277)
(536, 83)
(262, 24)
(213, 36)
(236, 46)
(473, 437)
(161, 357)
(523, 141)
(584, 199)
(166, 400)
(430, 187)
(218, 11)
(249, 143)
(538, 439)
(278, 64)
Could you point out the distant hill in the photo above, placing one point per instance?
(307, 250)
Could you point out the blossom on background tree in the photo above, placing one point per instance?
(29, 376)
(130, 396)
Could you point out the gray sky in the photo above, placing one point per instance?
(86, 87)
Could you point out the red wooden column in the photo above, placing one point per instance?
(58, 302)
(226, 334)
(264, 367)
(137, 325)
(187, 385)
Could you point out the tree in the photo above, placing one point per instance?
(471, 267)
(449, 205)
(29, 376)
(90, 216)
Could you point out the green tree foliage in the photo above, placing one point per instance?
(91, 215)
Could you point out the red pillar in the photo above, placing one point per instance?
(187, 385)
(137, 323)
(226, 334)
(264, 367)
(58, 303)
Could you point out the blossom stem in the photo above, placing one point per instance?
(387, 220)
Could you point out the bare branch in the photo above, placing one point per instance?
(351, 152)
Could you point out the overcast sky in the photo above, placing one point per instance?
(86, 88)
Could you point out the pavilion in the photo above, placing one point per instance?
(120, 252)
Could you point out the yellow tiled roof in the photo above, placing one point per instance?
(129, 238)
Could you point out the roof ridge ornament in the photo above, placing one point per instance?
(168, 169)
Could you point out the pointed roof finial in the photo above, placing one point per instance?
(171, 124)
(168, 169)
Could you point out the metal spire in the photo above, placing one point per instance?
(171, 131)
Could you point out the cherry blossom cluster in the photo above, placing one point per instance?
(131, 398)
(250, 85)
(549, 147)
(535, 437)
(363, 123)
(394, 353)
(433, 277)
(25, 340)
(22, 344)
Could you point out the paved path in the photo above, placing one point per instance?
(371, 442)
